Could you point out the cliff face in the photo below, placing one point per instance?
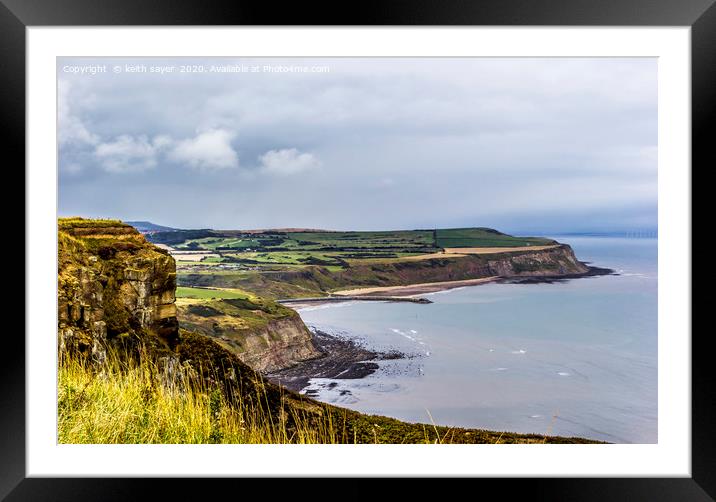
(263, 334)
(555, 261)
(281, 344)
(113, 286)
(315, 281)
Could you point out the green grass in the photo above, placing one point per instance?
(484, 237)
(78, 222)
(399, 241)
(392, 239)
(304, 264)
(212, 243)
(206, 294)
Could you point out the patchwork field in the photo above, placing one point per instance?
(293, 263)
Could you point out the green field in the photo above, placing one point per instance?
(484, 238)
(212, 243)
(290, 264)
(401, 239)
(203, 293)
(293, 246)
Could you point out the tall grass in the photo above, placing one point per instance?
(137, 402)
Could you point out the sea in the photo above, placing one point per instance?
(572, 358)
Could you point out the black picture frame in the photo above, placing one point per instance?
(16, 15)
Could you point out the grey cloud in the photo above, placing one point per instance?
(375, 143)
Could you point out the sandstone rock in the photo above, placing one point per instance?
(112, 284)
(266, 341)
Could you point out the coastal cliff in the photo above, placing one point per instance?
(113, 287)
(316, 281)
(557, 261)
(163, 384)
(263, 334)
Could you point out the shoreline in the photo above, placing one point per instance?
(299, 303)
(341, 358)
(412, 292)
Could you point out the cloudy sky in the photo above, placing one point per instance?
(522, 145)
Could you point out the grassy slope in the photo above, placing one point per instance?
(484, 237)
(212, 397)
(229, 316)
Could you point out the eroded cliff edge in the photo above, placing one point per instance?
(314, 281)
(113, 287)
(263, 334)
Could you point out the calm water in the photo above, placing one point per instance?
(577, 358)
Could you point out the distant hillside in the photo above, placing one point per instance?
(147, 227)
(128, 374)
(288, 239)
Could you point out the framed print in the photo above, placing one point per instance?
(425, 241)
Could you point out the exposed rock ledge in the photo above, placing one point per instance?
(112, 285)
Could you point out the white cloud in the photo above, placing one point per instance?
(288, 161)
(130, 154)
(70, 128)
(207, 151)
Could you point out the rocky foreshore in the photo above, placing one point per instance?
(340, 358)
(549, 279)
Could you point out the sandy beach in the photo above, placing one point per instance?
(414, 289)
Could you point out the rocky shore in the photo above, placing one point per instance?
(550, 279)
(340, 358)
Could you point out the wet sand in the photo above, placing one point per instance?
(414, 289)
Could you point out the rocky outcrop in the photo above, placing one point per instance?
(266, 336)
(281, 344)
(556, 261)
(113, 286)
